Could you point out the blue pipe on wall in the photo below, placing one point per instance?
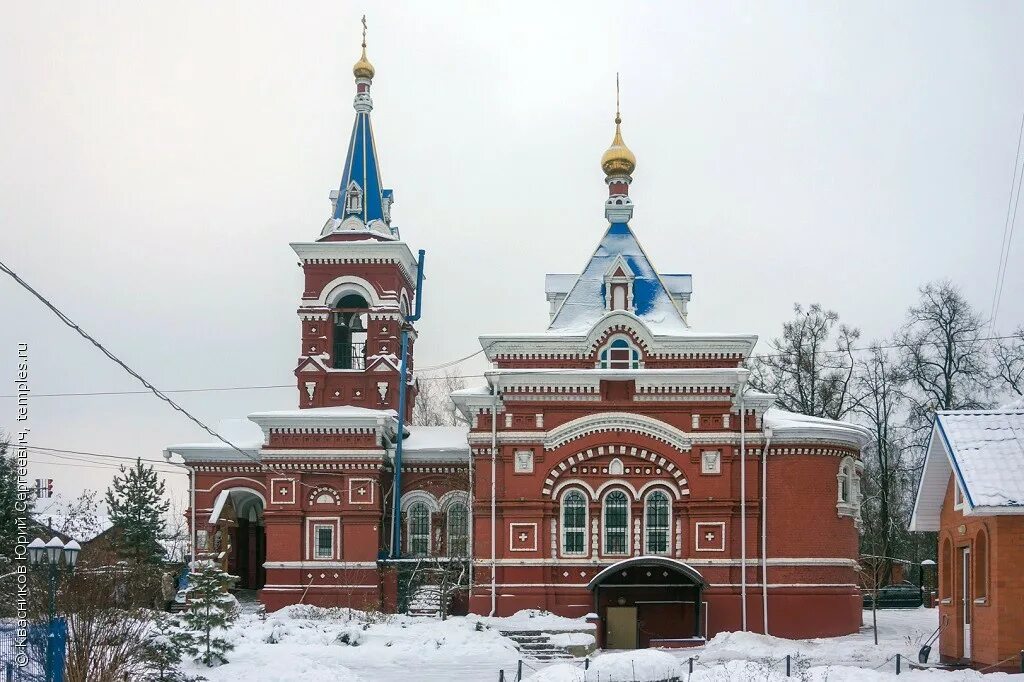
(396, 515)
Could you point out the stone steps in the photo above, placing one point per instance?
(537, 645)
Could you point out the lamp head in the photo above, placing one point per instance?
(53, 549)
(36, 549)
(71, 551)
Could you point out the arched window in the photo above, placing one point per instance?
(946, 577)
(616, 523)
(620, 354)
(619, 297)
(615, 467)
(658, 521)
(574, 523)
(844, 483)
(353, 198)
(980, 555)
(350, 332)
(458, 525)
(419, 529)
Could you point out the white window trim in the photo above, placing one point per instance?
(607, 347)
(668, 527)
(628, 527)
(585, 529)
(316, 542)
(958, 495)
(430, 527)
(448, 526)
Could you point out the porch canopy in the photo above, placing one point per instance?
(619, 573)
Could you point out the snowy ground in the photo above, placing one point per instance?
(336, 645)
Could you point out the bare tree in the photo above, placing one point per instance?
(433, 405)
(1008, 362)
(879, 386)
(810, 368)
(78, 518)
(943, 354)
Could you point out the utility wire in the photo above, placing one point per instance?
(755, 356)
(1008, 228)
(153, 389)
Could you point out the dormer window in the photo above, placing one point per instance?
(620, 354)
(353, 198)
(618, 285)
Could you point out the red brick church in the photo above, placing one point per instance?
(616, 463)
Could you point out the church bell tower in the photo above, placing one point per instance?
(360, 280)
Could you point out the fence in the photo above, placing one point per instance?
(23, 659)
(897, 662)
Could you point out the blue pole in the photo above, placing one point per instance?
(403, 378)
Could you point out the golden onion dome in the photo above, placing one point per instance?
(363, 68)
(618, 160)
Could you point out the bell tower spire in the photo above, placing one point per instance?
(618, 164)
(361, 204)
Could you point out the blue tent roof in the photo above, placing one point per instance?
(361, 167)
(585, 303)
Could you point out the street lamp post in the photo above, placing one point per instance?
(51, 551)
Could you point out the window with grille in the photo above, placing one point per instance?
(458, 527)
(419, 529)
(323, 542)
(574, 523)
(619, 354)
(616, 523)
(657, 523)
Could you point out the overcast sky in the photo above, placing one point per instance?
(157, 159)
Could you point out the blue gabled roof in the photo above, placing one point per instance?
(585, 303)
(362, 167)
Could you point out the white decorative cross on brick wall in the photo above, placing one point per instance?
(361, 491)
(709, 536)
(523, 537)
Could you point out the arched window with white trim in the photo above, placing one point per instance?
(419, 529)
(848, 489)
(350, 319)
(658, 522)
(574, 523)
(620, 354)
(616, 523)
(458, 527)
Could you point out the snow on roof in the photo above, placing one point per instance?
(984, 450)
(988, 451)
(436, 439)
(319, 412)
(585, 303)
(793, 424)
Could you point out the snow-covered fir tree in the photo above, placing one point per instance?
(137, 506)
(164, 648)
(211, 610)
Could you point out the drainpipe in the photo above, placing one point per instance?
(470, 522)
(743, 508)
(403, 380)
(764, 526)
(494, 493)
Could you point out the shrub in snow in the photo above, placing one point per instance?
(211, 610)
(352, 636)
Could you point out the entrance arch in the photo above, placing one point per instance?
(240, 535)
(648, 601)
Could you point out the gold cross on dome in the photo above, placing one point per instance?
(364, 30)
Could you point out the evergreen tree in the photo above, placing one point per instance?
(13, 510)
(211, 609)
(164, 646)
(137, 506)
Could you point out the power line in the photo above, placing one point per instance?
(754, 356)
(1008, 228)
(153, 389)
(97, 454)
